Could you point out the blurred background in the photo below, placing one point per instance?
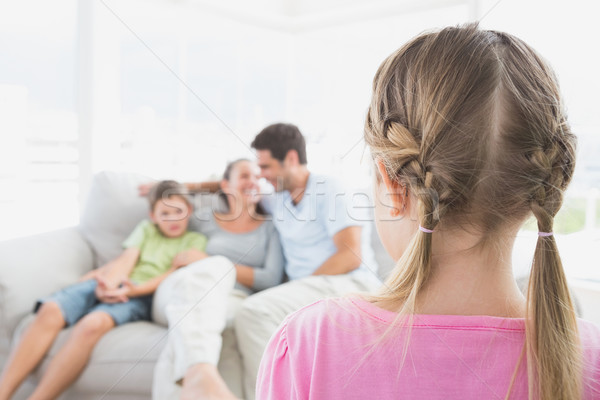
(176, 88)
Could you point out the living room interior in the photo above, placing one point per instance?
(92, 91)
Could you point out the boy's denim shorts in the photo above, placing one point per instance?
(79, 299)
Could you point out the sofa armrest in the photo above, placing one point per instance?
(35, 266)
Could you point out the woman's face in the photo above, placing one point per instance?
(243, 182)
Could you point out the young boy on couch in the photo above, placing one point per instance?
(116, 293)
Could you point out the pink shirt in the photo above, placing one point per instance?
(331, 350)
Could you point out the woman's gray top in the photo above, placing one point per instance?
(259, 249)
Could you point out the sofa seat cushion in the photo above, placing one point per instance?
(122, 362)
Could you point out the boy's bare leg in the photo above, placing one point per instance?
(203, 381)
(66, 366)
(32, 347)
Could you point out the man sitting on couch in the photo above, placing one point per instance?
(324, 239)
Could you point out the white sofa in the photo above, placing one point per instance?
(122, 364)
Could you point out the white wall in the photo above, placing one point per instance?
(175, 89)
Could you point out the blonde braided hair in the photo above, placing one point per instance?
(471, 123)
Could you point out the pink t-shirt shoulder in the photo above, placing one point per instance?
(350, 349)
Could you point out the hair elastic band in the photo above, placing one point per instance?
(425, 229)
(545, 234)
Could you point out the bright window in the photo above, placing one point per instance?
(38, 123)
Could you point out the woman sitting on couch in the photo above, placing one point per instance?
(243, 250)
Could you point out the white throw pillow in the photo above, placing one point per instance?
(112, 210)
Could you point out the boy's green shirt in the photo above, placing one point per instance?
(157, 251)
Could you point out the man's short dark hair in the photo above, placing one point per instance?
(279, 139)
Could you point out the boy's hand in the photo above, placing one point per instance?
(112, 295)
(187, 257)
(120, 294)
(145, 188)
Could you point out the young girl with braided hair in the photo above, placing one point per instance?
(469, 138)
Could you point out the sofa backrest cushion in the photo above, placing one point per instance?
(112, 210)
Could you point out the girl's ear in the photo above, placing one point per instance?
(396, 192)
(152, 216)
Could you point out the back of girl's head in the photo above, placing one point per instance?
(479, 112)
(471, 121)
